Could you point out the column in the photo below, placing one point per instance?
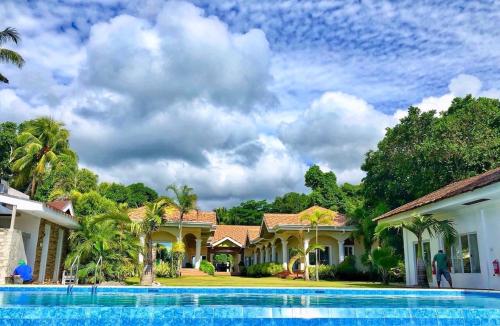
(267, 254)
(141, 256)
(341, 251)
(306, 258)
(284, 248)
(13, 218)
(254, 257)
(262, 254)
(197, 258)
(273, 253)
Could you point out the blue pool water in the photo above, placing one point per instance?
(245, 306)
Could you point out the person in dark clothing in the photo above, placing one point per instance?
(24, 271)
(442, 268)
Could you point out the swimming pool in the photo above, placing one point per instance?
(36, 305)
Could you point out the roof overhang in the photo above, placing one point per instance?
(40, 210)
(189, 224)
(227, 239)
(295, 227)
(489, 192)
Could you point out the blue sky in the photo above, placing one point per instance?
(237, 98)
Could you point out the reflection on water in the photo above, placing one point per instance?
(244, 299)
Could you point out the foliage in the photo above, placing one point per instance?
(425, 152)
(139, 194)
(418, 225)
(264, 269)
(162, 269)
(92, 203)
(300, 254)
(249, 212)
(347, 270)
(105, 236)
(384, 260)
(326, 272)
(325, 191)
(222, 258)
(8, 143)
(114, 191)
(207, 267)
(85, 181)
(9, 56)
(291, 202)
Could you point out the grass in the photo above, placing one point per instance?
(236, 281)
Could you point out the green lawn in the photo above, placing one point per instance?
(256, 282)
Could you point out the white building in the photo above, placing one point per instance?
(33, 231)
(474, 206)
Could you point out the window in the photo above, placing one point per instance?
(464, 254)
(324, 257)
(348, 248)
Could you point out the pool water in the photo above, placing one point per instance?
(245, 306)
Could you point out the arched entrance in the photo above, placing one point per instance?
(190, 247)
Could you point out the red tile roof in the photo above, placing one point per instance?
(273, 220)
(448, 191)
(237, 233)
(172, 215)
(59, 204)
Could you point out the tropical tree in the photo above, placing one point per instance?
(418, 225)
(184, 201)
(317, 217)
(108, 237)
(151, 223)
(384, 258)
(41, 143)
(300, 254)
(9, 56)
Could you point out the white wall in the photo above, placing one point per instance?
(29, 224)
(483, 219)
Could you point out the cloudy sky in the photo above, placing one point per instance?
(238, 98)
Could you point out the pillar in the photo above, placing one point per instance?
(341, 251)
(254, 257)
(268, 259)
(306, 258)
(197, 258)
(13, 218)
(141, 256)
(284, 248)
(261, 255)
(273, 253)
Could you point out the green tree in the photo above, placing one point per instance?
(86, 180)
(384, 259)
(249, 212)
(300, 254)
(107, 236)
(9, 56)
(151, 223)
(325, 191)
(315, 219)
(8, 135)
(291, 202)
(114, 191)
(418, 225)
(425, 152)
(139, 194)
(42, 142)
(92, 203)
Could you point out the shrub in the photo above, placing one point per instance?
(346, 270)
(207, 267)
(384, 260)
(162, 270)
(265, 269)
(326, 272)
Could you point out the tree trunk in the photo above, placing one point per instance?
(422, 280)
(317, 255)
(147, 276)
(306, 270)
(33, 187)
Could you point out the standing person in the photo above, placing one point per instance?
(443, 268)
(24, 271)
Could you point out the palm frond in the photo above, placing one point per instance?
(10, 34)
(9, 56)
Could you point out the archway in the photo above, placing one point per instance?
(189, 241)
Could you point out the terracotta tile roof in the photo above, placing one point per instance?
(273, 220)
(172, 215)
(237, 233)
(253, 232)
(448, 191)
(59, 204)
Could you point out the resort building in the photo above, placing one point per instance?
(473, 205)
(272, 241)
(35, 232)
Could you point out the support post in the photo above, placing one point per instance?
(306, 258)
(341, 251)
(197, 258)
(13, 218)
(284, 248)
(255, 257)
(273, 253)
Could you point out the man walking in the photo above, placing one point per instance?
(443, 268)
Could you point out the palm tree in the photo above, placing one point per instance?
(9, 56)
(42, 142)
(151, 223)
(418, 225)
(300, 255)
(315, 219)
(105, 236)
(384, 259)
(184, 201)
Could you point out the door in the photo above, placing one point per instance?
(426, 253)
